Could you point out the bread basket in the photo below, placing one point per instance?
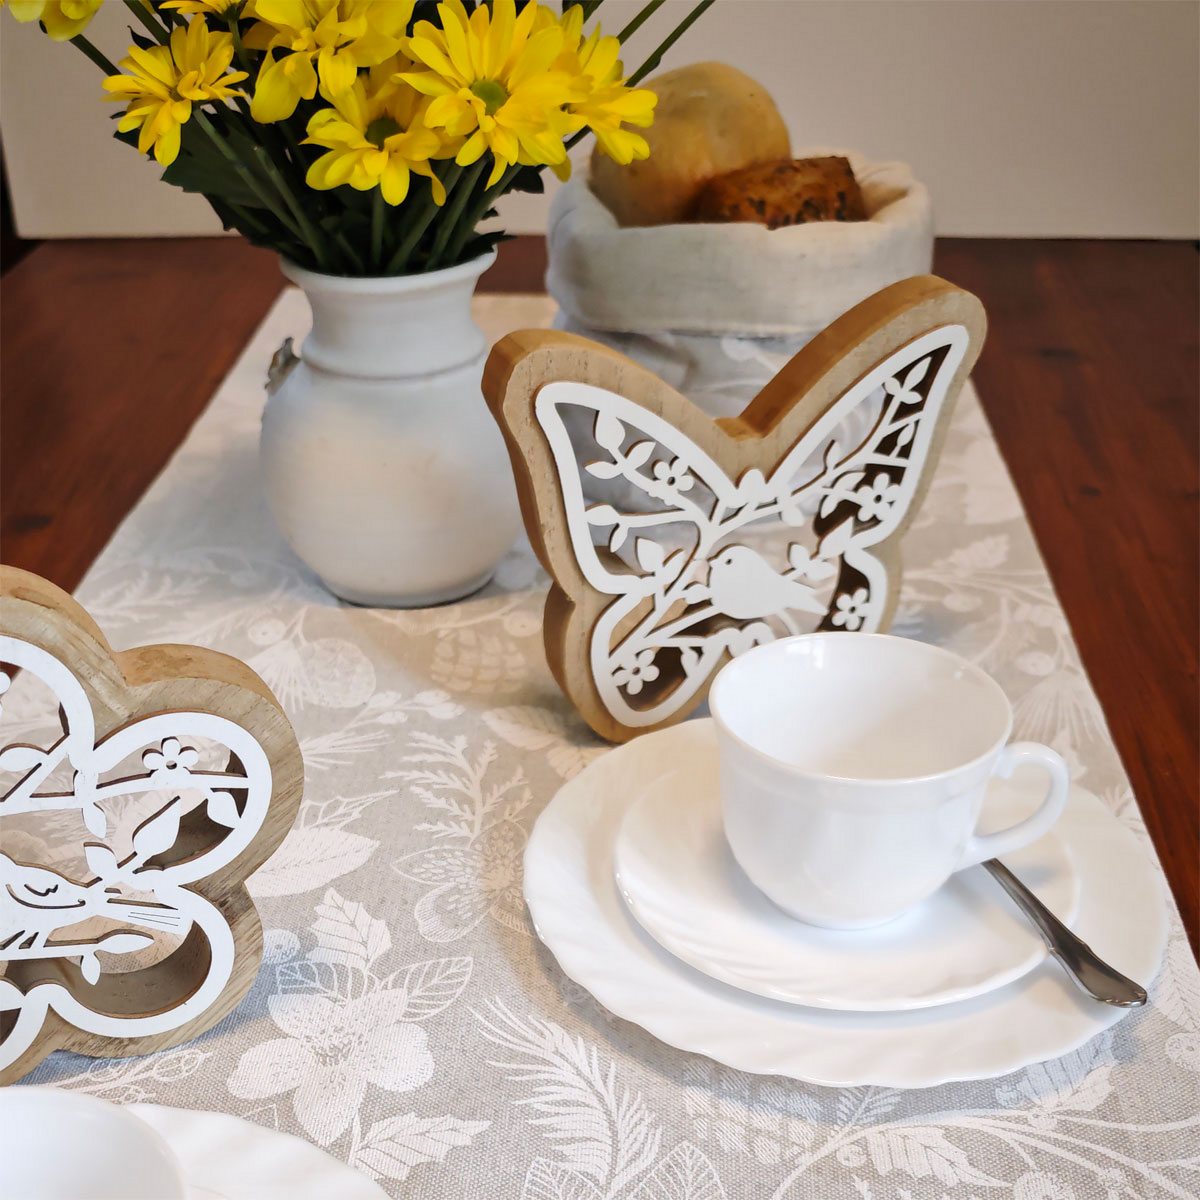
(716, 310)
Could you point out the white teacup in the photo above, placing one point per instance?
(58, 1145)
(853, 768)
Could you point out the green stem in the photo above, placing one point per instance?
(352, 255)
(139, 10)
(239, 54)
(289, 139)
(489, 198)
(453, 212)
(243, 61)
(421, 220)
(247, 176)
(639, 20)
(287, 177)
(239, 51)
(81, 43)
(589, 7)
(377, 229)
(169, 17)
(280, 130)
(308, 231)
(652, 62)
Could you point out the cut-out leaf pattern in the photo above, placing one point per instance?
(603, 470)
(159, 833)
(610, 433)
(21, 758)
(649, 554)
(223, 809)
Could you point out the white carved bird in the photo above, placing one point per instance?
(36, 902)
(743, 585)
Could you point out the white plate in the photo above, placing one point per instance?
(579, 914)
(682, 883)
(227, 1157)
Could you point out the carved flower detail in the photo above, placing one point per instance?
(850, 610)
(170, 761)
(673, 474)
(633, 676)
(875, 499)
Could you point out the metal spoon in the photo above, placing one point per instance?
(1079, 960)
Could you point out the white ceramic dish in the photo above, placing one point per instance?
(61, 1145)
(853, 772)
(679, 878)
(150, 1152)
(231, 1159)
(579, 914)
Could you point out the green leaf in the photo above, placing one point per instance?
(480, 244)
(202, 168)
(528, 179)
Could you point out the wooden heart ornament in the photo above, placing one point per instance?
(675, 541)
(128, 824)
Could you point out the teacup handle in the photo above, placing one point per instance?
(992, 845)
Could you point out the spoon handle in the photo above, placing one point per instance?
(1078, 959)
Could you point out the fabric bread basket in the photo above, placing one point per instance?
(716, 310)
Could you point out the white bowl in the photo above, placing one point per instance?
(58, 1145)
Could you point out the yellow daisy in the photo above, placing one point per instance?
(321, 41)
(491, 78)
(375, 137)
(163, 82)
(63, 19)
(607, 104)
(214, 8)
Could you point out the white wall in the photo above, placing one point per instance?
(1052, 118)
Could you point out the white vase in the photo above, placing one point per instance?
(382, 465)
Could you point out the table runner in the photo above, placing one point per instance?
(407, 1019)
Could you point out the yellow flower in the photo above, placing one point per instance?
(215, 8)
(163, 82)
(608, 103)
(340, 35)
(63, 19)
(491, 81)
(374, 138)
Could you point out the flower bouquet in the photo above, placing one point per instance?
(365, 141)
(365, 137)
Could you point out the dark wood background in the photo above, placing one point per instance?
(109, 351)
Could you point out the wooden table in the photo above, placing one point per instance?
(110, 350)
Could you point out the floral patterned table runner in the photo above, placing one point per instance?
(408, 1020)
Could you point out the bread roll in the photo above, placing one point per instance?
(790, 192)
(710, 119)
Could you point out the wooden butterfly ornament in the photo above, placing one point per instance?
(138, 790)
(675, 541)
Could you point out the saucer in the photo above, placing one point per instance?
(579, 914)
(677, 874)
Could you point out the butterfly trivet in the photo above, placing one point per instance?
(675, 541)
(137, 792)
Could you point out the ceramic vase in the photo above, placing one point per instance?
(384, 470)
